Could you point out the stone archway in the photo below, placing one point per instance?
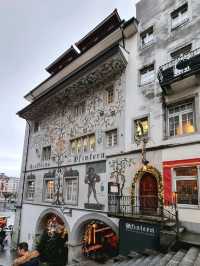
(148, 169)
(49, 211)
(52, 233)
(77, 232)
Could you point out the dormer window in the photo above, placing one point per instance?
(179, 16)
(147, 37)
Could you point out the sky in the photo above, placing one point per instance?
(33, 34)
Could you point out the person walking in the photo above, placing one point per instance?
(26, 257)
(2, 237)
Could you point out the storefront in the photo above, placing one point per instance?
(99, 241)
(181, 176)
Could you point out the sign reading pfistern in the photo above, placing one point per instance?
(138, 236)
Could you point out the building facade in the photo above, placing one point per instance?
(8, 186)
(105, 137)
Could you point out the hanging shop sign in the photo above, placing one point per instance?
(138, 236)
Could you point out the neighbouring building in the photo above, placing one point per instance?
(8, 186)
(113, 133)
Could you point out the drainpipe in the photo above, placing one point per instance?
(123, 38)
(23, 185)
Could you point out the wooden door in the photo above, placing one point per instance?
(148, 193)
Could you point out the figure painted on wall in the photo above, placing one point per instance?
(91, 179)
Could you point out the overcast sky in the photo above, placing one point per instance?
(33, 34)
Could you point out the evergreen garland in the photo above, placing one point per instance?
(52, 249)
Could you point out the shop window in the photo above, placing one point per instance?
(147, 37)
(186, 171)
(97, 237)
(110, 95)
(30, 188)
(181, 119)
(186, 185)
(71, 190)
(111, 138)
(46, 153)
(79, 109)
(147, 74)
(49, 190)
(141, 127)
(83, 144)
(179, 16)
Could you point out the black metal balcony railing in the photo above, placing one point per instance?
(181, 67)
(147, 206)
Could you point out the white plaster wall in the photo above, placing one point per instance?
(191, 215)
(181, 153)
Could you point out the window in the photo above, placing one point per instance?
(147, 74)
(30, 187)
(110, 95)
(111, 138)
(186, 185)
(36, 127)
(46, 153)
(79, 109)
(71, 190)
(179, 16)
(141, 127)
(92, 142)
(181, 119)
(147, 37)
(74, 146)
(180, 55)
(49, 189)
(83, 144)
(182, 51)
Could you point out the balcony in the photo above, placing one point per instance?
(146, 208)
(181, 68)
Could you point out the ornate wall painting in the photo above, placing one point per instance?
(95, 179)
(118, 171)
(98, 117)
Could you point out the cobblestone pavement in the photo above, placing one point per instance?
(6, 256)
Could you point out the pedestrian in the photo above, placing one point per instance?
(26, 257)
(2, 237)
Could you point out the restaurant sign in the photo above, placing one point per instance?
(138, 236)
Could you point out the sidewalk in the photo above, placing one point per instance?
(6, 256)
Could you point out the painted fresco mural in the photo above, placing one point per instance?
(62, 122)
(96, 182)
(122, 169)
